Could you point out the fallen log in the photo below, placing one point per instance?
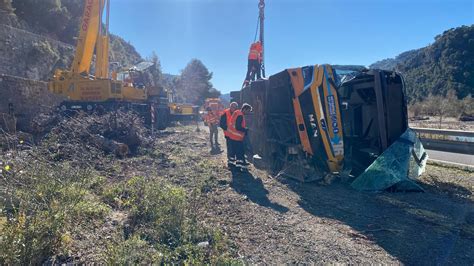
(110, 146)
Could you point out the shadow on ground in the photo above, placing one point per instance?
(246, 184)
(418, 228)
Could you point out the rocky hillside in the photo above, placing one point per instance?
(60, 19)
(446, 64)
(39, 36)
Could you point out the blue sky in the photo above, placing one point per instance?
(297, 32)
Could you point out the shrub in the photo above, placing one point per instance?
(40, 201)
(156, 210)
(164, 224)
(133, 251)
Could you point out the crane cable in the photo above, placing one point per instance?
(260, 25)
(260, 18)
(256, 30)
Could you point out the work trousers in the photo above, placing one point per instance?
(235, 151)
(253, 68)
(213, 135)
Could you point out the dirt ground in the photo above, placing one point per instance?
(276, 220)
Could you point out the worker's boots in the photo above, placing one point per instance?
(215, 149)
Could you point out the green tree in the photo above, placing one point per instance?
(194, 85)
(156, 69)
(447, 64)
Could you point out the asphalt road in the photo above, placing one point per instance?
(451, 157)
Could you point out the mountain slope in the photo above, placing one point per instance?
(53, 20)
(391, 63)
(446, 64)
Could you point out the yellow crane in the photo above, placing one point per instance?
(87, 92)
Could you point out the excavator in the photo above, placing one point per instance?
(88, 91)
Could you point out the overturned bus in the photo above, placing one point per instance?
(314, 121)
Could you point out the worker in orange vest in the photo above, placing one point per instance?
(254, 65)
(211, 119)
(226, 117)
(234, 125)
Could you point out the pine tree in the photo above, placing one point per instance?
(194, 85)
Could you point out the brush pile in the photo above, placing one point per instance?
(118, 133)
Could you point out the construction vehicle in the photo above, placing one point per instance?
(102, 90)
(312, 121)
(138, 76)
(214, 103)
(183, 111)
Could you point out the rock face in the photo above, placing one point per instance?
(28, 55)
(28, 97)
(27, 60)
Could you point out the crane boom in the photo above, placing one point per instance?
(78, 85)
(88, 34)
(102, 47)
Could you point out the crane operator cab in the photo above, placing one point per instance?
(132, 78)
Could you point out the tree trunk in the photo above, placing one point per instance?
(111, 146)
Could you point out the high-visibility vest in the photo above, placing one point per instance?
(255, 51)
(228, 118)
(232, 131)
(211, 118)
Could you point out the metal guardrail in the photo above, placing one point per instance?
(456, 141)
